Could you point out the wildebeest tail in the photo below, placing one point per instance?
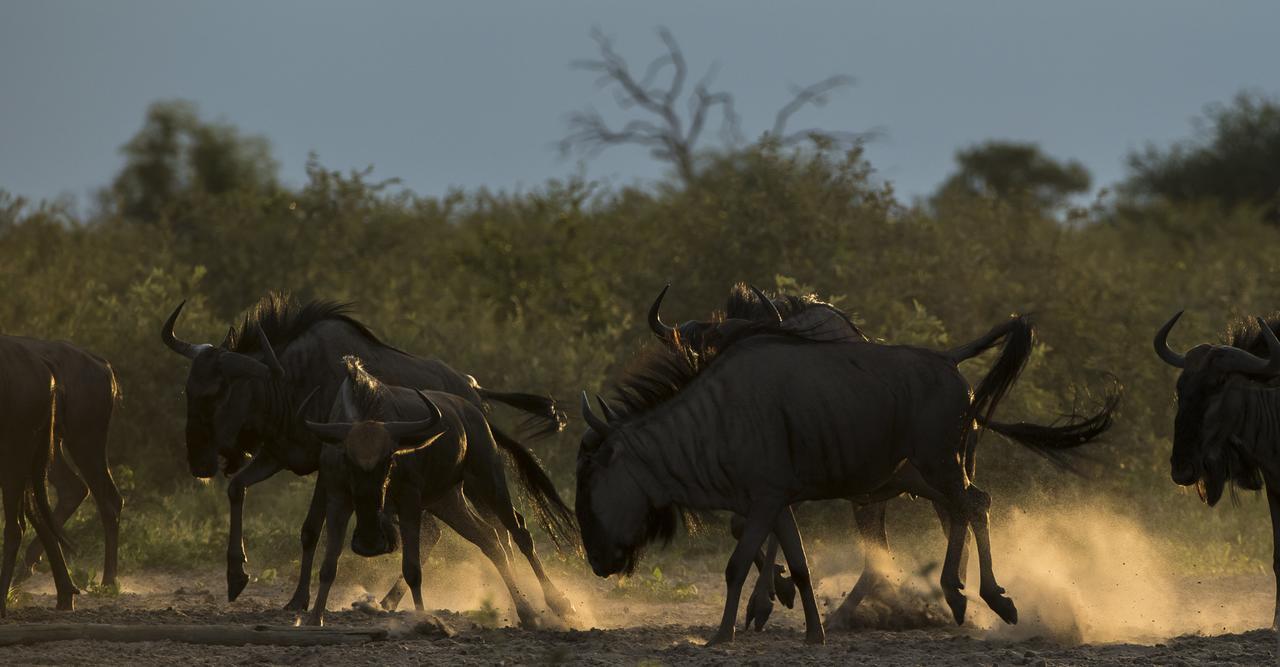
(1055, 440)
(553, 513)
(1018, 335)
(545, 418)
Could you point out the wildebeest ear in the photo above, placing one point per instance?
(226, 341)
(334, 432)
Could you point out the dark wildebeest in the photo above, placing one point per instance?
(87, 392)
(1228, 423)
(395, 450)
(809, 318)
(243, 399)
(775, 419)
(28, 394)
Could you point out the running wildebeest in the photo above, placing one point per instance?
(807, 317)
(87, 392)
(243, 400)
(28, 394)
(775, 419)
(406, 451)
(1227, 429)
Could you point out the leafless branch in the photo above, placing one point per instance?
(665, 132)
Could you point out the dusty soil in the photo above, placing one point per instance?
(628, 630)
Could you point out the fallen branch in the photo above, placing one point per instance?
(225, 635)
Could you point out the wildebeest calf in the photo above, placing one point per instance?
(396, 449)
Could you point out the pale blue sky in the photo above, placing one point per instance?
(474, 93)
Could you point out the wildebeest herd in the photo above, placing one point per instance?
(771, 402)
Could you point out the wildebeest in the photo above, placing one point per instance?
(87, 392)
(243, 399)
(807, 317)
(775, 419)
(416, 451)
(1227, 429)
(28, 396)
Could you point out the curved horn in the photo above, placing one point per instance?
(1163, 350)
(270, 354)
(331, 432)
(655, 321)
(610, 415)
(777, 316)
(226, 341)
(1241, 361)
(177, 344)
(416, 430)
(593, 421)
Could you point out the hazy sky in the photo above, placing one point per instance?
(474, 93)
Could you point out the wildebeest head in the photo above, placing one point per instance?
(360, 455)
(1206, 422)
(700, 336)
(616, 514)
(224, 389)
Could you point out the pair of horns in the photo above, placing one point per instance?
(238, 364)
(1234, 359)
(602, 426)
(667, 332)
(399, 431)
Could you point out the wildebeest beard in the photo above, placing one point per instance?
(1231, 423)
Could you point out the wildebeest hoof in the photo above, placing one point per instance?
(314, 620)
(759, 607)
(1002, 606)
(957, 602)
(560, 604)
(299, 602)
(785, 589)
(817, 637)
(721, 638)
(236, 581)
(67, 601)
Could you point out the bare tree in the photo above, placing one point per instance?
(671, 136)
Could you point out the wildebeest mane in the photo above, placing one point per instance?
(284, 320)
(743, 304)
(1245, 334)
(367, 392)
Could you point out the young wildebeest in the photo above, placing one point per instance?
(775, 419)
(243, 400)
(812, 319)
(1228, 423)
(87, 392)
(415, 450)
(28, 397)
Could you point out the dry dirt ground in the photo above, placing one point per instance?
(631, 630)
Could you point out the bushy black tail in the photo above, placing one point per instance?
(1018, 335)
(1055, 440)
(545, 418)
(553, 513)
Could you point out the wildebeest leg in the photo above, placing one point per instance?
(759, 525)
(793, 548)
(428, 538)
(89, 453)
(411, 560)
(944, 483)
(945, 520)
(71, 492)
(260, 468)
(875, 547)
(13, 502)
(57, 564)
(457, 513)
(1273, 500)
(310, 536)
(338, 513)
(979, 517)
